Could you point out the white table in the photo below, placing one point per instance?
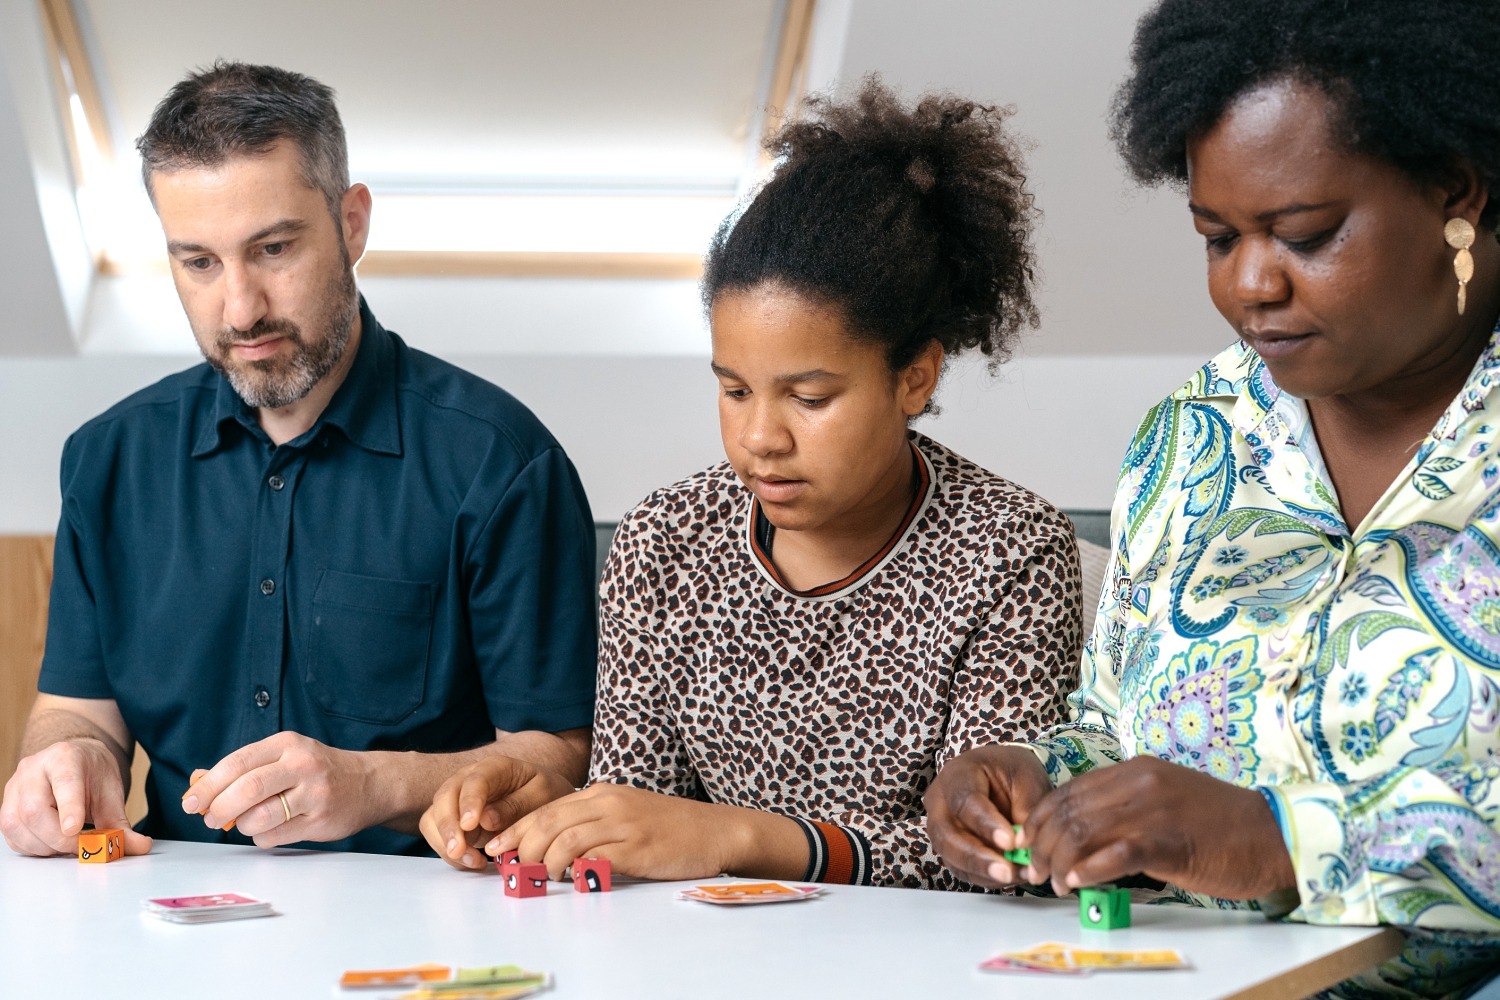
(73, 930)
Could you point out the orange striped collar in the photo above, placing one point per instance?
(758, 528)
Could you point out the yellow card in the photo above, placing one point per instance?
(1160, 958)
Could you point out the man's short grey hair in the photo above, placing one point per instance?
(237, 109)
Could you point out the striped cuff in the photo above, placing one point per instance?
(835, 854)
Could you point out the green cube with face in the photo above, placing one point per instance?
(1103, 908)
(1018, 855)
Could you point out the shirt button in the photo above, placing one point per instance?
(268, 587)
(262, 697)
(276, 483)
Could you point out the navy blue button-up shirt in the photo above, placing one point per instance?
(412, 573)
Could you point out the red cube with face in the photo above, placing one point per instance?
(591, 874)
(524, 881)
(507, 858)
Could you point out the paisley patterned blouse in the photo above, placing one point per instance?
(1353, 679)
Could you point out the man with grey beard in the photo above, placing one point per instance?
(318, 574)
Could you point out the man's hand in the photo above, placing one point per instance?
(58, 789)
(1167, 821)
(650, 835)
(972, 804)
(483, 799)
(287, 788)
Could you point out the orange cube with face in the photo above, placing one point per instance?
(96, 847)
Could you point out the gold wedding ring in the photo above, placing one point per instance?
(284, 807)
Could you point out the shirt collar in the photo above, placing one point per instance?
(364, 408)
(1267, 416)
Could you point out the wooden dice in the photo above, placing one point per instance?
(523, 881)
(591, 875)
(1103, 908)
(96, 847)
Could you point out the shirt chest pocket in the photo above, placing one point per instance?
(369, 644)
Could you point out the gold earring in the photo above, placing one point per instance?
(1460, 236)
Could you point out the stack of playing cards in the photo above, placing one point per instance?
(491, 982)
(749, 893)
(205, 909)
(1052, 958)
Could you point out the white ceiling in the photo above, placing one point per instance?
(593, 125)
(478, 93)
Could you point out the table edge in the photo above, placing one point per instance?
(1326, 971)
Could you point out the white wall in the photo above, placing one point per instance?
(632, 424)
(618, 370)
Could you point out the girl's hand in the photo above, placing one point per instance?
(650, 835)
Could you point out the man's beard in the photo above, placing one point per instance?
(277, 382)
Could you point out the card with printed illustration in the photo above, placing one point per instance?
(1055, 957)
(1113, 958)
(1050, 955)
(1004, 963)
(357, 979)
(749, 893)
(207, 908)
(505, 992)
(494, 982)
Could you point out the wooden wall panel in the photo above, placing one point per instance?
(25, 578)
(25, 581)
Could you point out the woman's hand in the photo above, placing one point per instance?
(650, 835)
(972, 804)
(483, 799)
(1167, 821)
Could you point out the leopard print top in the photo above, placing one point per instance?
(718, 683)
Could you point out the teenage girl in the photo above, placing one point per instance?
(794, 640)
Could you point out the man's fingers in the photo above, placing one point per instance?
(107, 809)
(23, 840)
(70, 800)
(206, 786)
(39, 819)
(267, 814)
(135, 843)
(252, 797)
(299, 829)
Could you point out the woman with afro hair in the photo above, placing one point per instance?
(794, 640)
(1292, 691)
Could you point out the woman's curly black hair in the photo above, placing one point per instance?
(1415, 84)
(914, 222)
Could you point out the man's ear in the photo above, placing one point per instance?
(354, 220)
